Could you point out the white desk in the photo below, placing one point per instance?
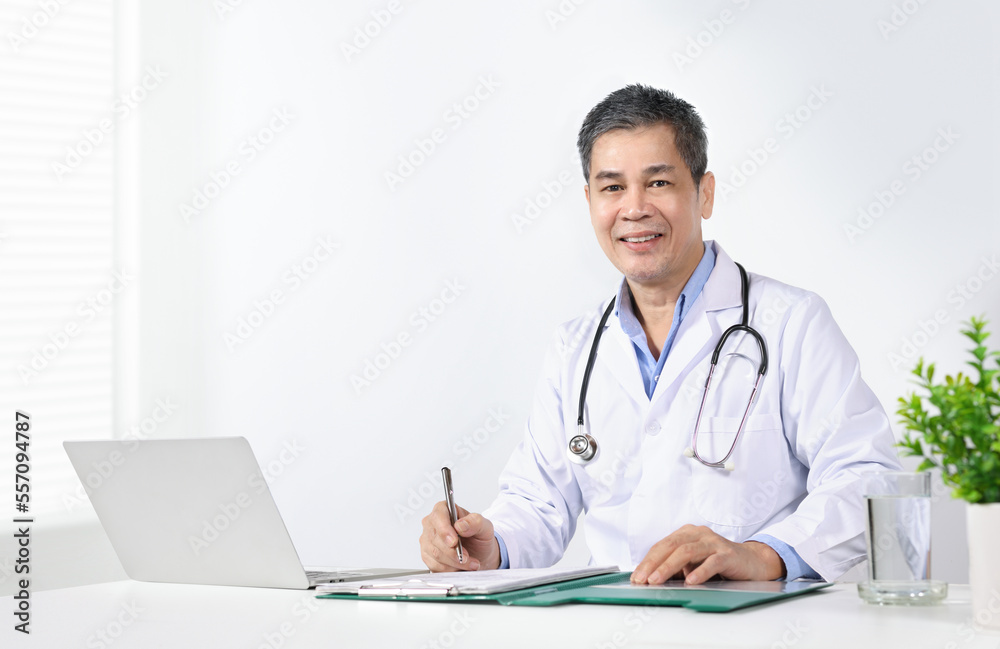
(136, 614)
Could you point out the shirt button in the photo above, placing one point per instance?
(656, 378)
(653, 427)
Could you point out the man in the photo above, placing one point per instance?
(658, 496)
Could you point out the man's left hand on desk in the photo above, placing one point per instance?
(699, 554)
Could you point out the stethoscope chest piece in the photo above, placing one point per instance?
(582, 448)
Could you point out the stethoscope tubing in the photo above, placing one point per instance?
(583, 447)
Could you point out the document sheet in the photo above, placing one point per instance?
(481, 582)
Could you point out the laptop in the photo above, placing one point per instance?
(196, 511)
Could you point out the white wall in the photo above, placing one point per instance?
(323, 176)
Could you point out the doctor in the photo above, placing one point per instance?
(791, 504)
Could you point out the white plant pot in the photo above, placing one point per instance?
(983, 523)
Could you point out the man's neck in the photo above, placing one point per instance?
(653, 304)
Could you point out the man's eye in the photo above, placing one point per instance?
(660, 183)
(612, 188)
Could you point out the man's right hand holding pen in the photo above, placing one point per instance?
(439, 541)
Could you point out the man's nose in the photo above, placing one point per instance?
(636, 204)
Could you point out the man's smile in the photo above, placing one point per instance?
(645, 241)
(640, 238)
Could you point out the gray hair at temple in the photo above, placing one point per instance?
(638, 106)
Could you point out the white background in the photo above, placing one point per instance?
(369, 452)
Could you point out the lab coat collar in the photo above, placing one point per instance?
(701, 327)
(723, 288)
(721, 291)
(708, 318)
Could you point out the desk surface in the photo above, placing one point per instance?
(127, 614)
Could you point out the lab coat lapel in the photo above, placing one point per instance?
(619, 357)
(712, 312)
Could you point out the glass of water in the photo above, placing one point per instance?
(898, 537)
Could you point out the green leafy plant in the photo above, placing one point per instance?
(958, 422)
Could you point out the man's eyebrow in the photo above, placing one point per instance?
(608, 173)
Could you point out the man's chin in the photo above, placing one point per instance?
(646, 276)
(645, 269)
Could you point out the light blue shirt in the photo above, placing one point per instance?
(651, 368)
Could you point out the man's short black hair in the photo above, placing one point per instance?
(638, 106)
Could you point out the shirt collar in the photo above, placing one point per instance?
(623, 303)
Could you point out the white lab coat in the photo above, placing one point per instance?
(814, 426)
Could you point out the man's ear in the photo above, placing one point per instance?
(586, 193)
(706, 194)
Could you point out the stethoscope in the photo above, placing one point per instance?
(583, 447)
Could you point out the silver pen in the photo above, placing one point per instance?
(449, 498)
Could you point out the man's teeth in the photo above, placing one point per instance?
(640, 239)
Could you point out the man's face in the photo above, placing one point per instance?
(644, 205)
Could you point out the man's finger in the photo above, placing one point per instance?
(438, 541)
(656, 555)
(440, 521)
(433, 526)
(440, 514)
(663, 549)
(652, 563)
(710, 567)
(432, 564)
(472, 525)
(445, 558)
(437, 562)
(448, 557)
(687, 554)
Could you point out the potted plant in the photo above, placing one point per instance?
(958, 421)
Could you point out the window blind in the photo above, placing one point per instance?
(57, 273)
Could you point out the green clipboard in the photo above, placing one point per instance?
(614, 588)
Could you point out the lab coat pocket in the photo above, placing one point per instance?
(746, 495)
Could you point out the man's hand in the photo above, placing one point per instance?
(439, 541)
(697, 554)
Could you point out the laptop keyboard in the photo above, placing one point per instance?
(322, 575)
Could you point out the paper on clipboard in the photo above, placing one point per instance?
(480, 582)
